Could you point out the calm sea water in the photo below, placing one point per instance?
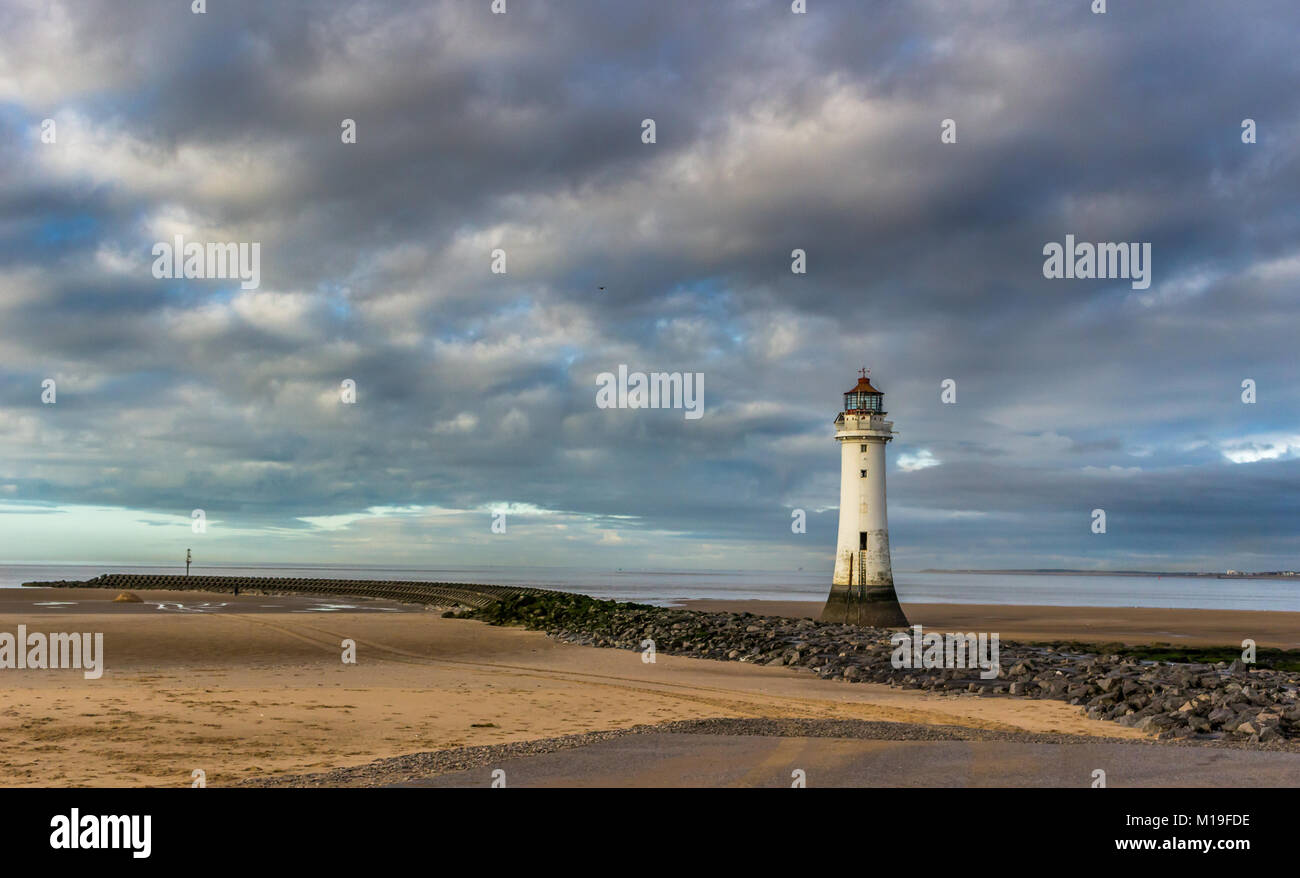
(665, 586)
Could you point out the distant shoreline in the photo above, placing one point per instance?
(1064, 572)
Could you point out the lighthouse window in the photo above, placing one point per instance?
(864, 473)
(864, 448)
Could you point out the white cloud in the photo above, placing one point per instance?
(1252, 449)
(462, 423)
(346, 520)
(922, 459)
(1113, 470)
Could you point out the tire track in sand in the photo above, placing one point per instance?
(679, 691)
(737, 703)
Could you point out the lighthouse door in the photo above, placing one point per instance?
(862, 560)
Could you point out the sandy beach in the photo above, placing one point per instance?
(253, 687)
(1132, 625)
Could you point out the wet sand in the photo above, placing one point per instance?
(80, 601)
(1100, 624)
(677, 760)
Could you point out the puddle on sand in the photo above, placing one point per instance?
(335, 608)
(177, 607)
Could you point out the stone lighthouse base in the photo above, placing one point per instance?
(874, 606)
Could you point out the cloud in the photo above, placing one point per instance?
(522, 132)
(1257, 448)
(922, 459)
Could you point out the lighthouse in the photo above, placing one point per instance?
(862, 589)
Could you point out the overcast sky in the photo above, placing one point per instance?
(523, 132)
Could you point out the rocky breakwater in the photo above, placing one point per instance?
(434, 594)
(1219, 700)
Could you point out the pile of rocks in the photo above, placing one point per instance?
(1172, 700)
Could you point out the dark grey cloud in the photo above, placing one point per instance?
(775, 132)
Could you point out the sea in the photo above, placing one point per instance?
(669, 587)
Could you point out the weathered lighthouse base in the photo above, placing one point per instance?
(874, 606)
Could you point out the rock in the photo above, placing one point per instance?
(127, 597)
(1156, 722)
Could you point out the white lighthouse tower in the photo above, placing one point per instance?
(862, 590)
